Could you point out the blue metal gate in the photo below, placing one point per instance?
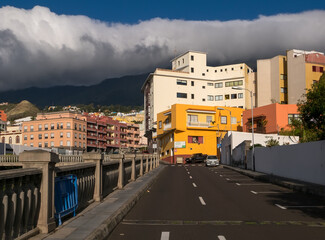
(66, 196)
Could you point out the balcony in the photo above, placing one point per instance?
(167, 126)
(198, 124)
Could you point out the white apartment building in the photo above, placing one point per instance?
(191, 81)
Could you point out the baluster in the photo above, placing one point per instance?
(20, 207)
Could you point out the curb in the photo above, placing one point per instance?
(299, 186)
(105, 229)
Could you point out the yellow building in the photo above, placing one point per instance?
(284, 79)
(184, 130)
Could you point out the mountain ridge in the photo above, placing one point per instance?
(124, 90)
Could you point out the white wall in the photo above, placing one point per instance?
(304, 161)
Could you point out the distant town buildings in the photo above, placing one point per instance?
(284, 79)
(191, 81)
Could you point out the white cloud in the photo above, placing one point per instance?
(41, 48)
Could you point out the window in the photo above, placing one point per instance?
(219, 97)
(203, 74)
(233, 120)
(84, 137)
(232, 69)
(293, 116)
(192, 118)
(192, 96)
(39, 144)
(284, 90)
(46, 144)
(84, 127)
(46, 127)
(39, 127)
(75, 144)
(181, 82)
(233, 96)
(192, 83)
(314, 68)
(58, 126)
(17, 139)
(160, 124)
(234, 83)
(31, 137)
(68, 125)
(68, 134)
(39, 136)
(61, 143)
(61, 134)
(46, 135)
(10, 140)
(61, 125)
(179, 63)
(192, 58)
(210, 97)
(32, 144)
(25, 137)
(79, 135)
(215, 70)
(283, 76)
(52, 135)
(203, 99)
(52, 144)
(195, 139)
(207, 70)
(32, 128)
(225, 69)
(52, 126)
(203, 87)
(68, 143)
(241, 67)
(84, 145)
(223, 119)
(218, 85)
(181, 95)
(209, 119)
(240, 95)
(183, 60)
(227, 97)
(220, 70)
(79, 127)
(210, 84)
(79, 144)
(25, 128)
(321, 69)
(192, 70)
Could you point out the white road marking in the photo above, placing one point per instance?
(221, 237)
(173, 165)
(270, 192)
(188, 172)
(190, 177)
(202, 201)
(220, 175)
(252, 184)
(194, 185)
(253, 192)
(278, 205)
(164, 236)
(227, 179)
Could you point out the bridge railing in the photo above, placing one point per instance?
(27, 194)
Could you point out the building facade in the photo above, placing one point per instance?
(59, 130)
(187, 129)
(3, 116)
(271, 118)
(191, 81)
(11, 135)
(284, 79)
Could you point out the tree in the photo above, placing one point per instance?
(312, 110)
(272, 142)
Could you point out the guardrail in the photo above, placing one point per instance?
(27, 194)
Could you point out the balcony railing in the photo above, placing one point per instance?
(167, 126)
(198, 124)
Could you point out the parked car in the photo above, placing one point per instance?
(196, 158)
(212, 161)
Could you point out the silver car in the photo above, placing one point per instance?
(212, 161)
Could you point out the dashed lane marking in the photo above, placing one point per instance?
(202, 201)
(190, 177)
(164, 236)
(270, 192)
(252, 184)
(286, 207)
(220, 237)
(194, 185)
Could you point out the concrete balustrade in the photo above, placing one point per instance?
(27, 194)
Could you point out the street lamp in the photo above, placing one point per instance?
(251, 93)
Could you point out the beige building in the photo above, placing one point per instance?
(12, 135)
(284, 79)
(61, 130)
(191, 81)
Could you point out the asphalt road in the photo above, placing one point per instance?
(196, 202)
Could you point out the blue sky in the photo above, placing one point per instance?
(131, 11)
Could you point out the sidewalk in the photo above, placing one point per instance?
(99, 219)
(295, 185)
